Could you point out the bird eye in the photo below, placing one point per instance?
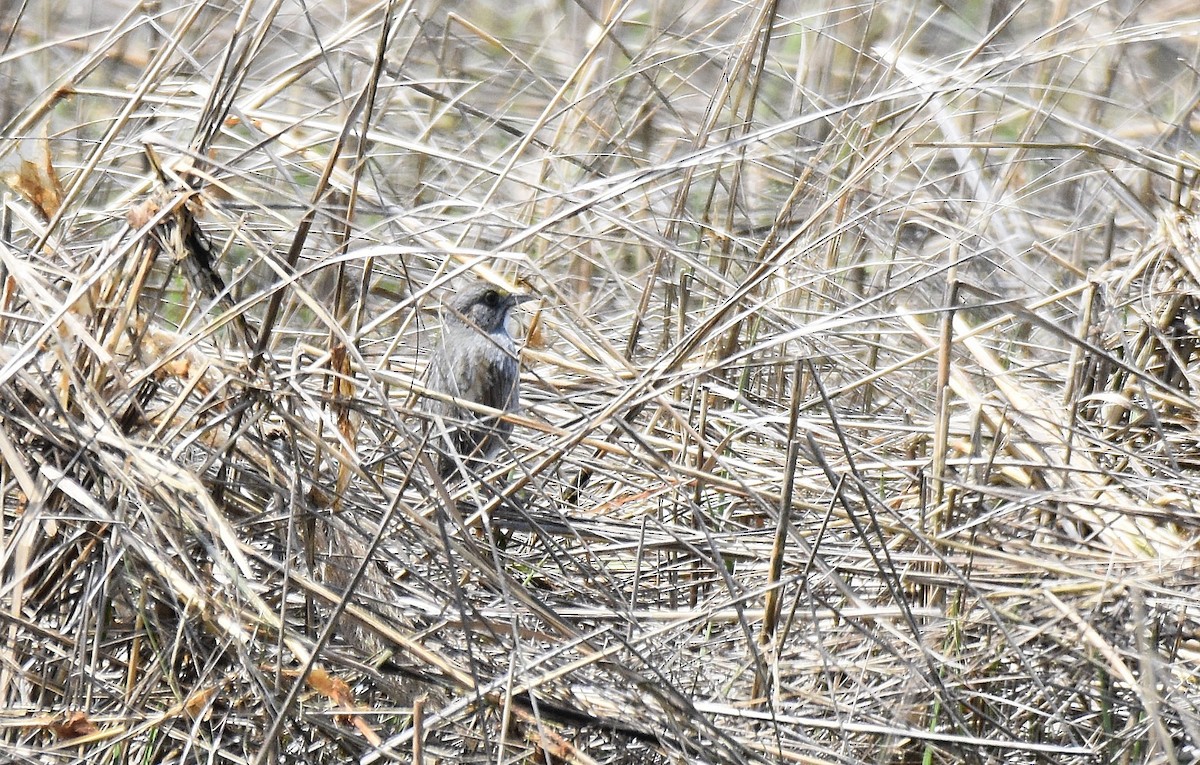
(491, 298)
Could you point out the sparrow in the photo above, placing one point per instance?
(476, 361)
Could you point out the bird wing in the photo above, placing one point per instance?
(482, 372)
(500, 382)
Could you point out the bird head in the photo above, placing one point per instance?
(484, 306)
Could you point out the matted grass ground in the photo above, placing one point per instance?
(860, 413)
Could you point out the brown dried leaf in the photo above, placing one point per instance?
(75, 725)
(333, 688)
(197, 703)
(38, 183)
(142, 213)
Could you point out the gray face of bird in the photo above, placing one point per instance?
(484, 308)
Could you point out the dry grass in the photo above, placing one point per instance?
(861, 401)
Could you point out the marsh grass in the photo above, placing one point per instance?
(860, 400)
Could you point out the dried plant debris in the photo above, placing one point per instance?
(38, 183)
(829, 448)
(1141, 381)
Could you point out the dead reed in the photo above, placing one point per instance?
(861, 399)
